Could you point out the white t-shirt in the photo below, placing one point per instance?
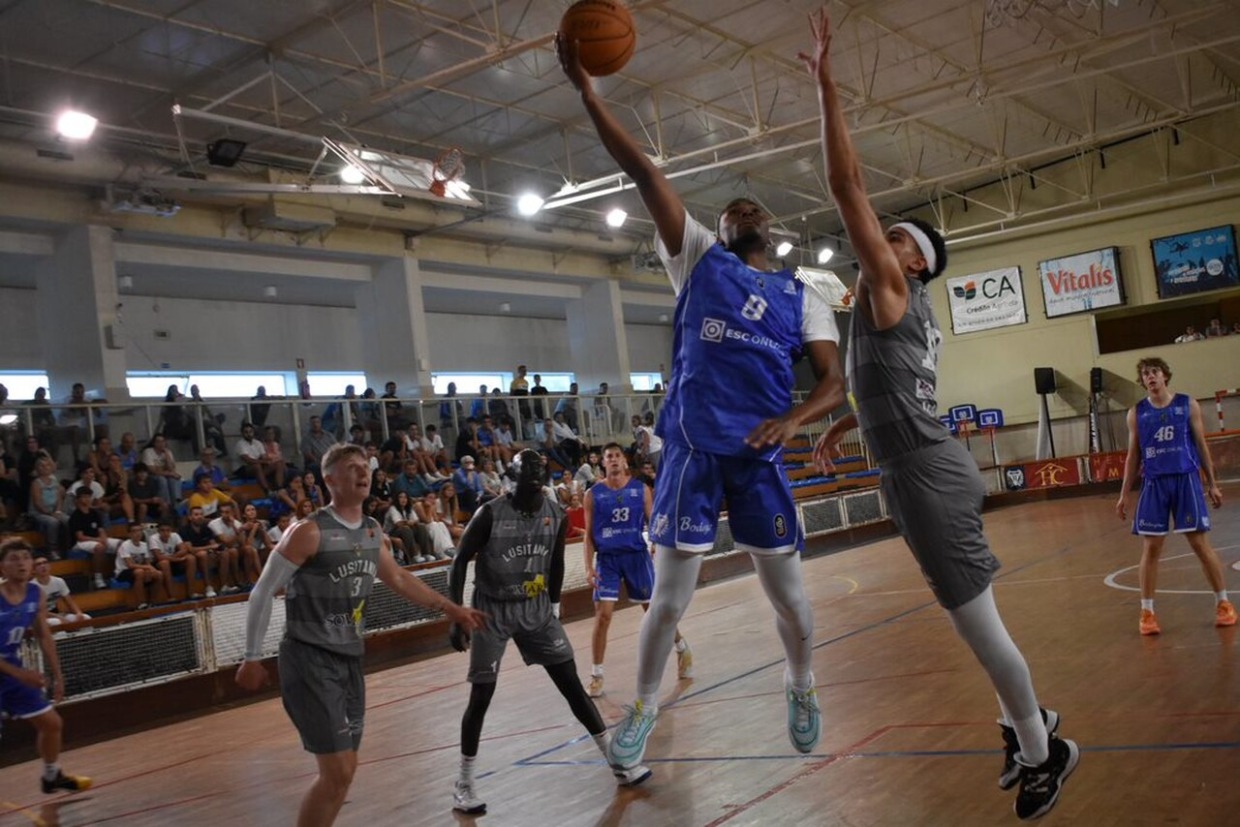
(224, 532)
(274, 534)
(251, 448)
(432, 446)
(167, 549)
(655, 444)
(96, 490)
(817, 317)
(54, 589)
(131, 554)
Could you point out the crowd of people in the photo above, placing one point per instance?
(1213, 330)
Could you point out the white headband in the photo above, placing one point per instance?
(923, 243)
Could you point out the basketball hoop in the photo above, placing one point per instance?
(449, 167)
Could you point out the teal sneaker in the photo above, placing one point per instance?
(628, 743)
(804, 720)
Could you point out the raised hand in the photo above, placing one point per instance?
(570, 62)
(816, 59)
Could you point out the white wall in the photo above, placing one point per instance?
(19, 330)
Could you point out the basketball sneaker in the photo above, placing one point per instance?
(1011, 745)
(1149, 623)
(804, 720)
(632, 776)
(72, 783)
(1225, 614)
(1040, 786)
(595, 690)
(684, 661)
(628, 743)
(464, 800)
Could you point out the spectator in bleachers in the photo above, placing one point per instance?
(314, 492)
(227, 531)
(47, 505)
(468, 485)
(203, 545)
(539, 409)
(381, 492)
(90, 538)
(410, 482)
(71, 421)
(567, 405)
(167, 546)
(174, 422)
(576, 515)
(1215, 328)
(255, 547)
(520, 387)
(492, 484)
(128, 451)
(315, 444)
(369, 411)
(116, 497)
(277, 531)
(449, 506)
(497, 408)
(505, 441)
(43, 419)
(144, 493)
(304, 509)
(372, 457)
(290, 496)
(649, 445)
(429, 516)
(646, 473)
(158, 458)
(207, 467)
(357, 434)
(254, 462)
(86, 480)
(432, 443)
(566, 487)
(550, 446)
(478, 408)
(451, 405)
(211, 423)
(101, 450)
(136, 566)
(259, 411)
(393, 410)
(401, 523)
(1190, 334)
(207, 498)
(602, 412)
(273, 453)
(12, 495)
(467, 440)
(1235, 329)
(589, 471)
(390, 452)
(56, 593)
(488, 437)
(571, 444)
(30, 454)
(414, 448)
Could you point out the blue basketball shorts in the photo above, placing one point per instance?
(20, 701)
(1168, 497)
(693, 486)
(634, 568)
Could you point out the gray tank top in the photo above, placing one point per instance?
(516, 563)
(892, 377)
(326, 597)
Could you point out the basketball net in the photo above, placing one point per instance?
(449, 167)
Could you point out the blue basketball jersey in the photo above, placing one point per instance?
(15, 620)
(737, 335)
(1166, 438)
(619, 516)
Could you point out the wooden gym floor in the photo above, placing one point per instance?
(909, 734)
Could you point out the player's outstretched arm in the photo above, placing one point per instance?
(556, 577)
(1130, 465)
(882, 294)
(661, 200)
(475, 538)
(1203, 453)
(297, 546)
(411, 587)
(828, 446)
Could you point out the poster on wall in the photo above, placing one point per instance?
(1082, 282)
(1195, 262)
(986, 300)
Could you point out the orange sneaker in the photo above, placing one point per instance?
(1149, 623)
(1225, 614)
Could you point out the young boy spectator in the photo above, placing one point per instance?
(135, 565)
(89, 539)
(144, 492)
(227, 532)
(167, 546)
(56, 593)
(203, 544)
(207, 497)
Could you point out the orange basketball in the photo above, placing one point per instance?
(605, 34)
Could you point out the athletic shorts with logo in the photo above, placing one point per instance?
(324, 694)
(694, 485)
(935, 498)
(1168, 497)
(633, 568)
(529, 623)
(20, 701)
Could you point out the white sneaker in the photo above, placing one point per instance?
(99, 582)
(632, 776)
(595, 689)
(464, 800)
(210, 592)
(804, 719)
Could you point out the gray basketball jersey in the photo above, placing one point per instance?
(327, 595)
(892, 378)
(516, 563)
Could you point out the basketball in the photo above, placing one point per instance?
(605, 34)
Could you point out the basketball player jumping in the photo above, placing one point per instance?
(929, 481)
(740, 324)
(1166, 437)
(327, 564)
(517, 544)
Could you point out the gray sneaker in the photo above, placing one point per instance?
(464, 800)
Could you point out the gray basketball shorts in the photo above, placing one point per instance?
(539, 636)
(325, 696)
(935, 497)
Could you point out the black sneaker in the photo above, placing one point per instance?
(73, 783)
(1011, 768)
(1040, 786)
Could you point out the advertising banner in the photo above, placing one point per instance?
(986, 300)
(1195, 262)
(1082, 282)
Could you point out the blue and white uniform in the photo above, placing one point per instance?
(621, 554)
(16, 699)
(738, 331)
(1171, 470)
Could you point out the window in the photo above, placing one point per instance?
(154, 384)
(22, 383)
(555, 382)
(467, 383)
(333, 383)
(645, 381)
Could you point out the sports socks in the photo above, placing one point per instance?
(1148, 605)
(979, 625)
(51, 771)
(675, 577)
(1219, 597)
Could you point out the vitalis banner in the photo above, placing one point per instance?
(985, 300)
(1081, 282)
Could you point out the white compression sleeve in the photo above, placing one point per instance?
(276, 575)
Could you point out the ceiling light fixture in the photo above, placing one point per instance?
(350, 174)
(76, 126)
(824, 255)
(783, 249)
(616, 218)
(529, 204)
